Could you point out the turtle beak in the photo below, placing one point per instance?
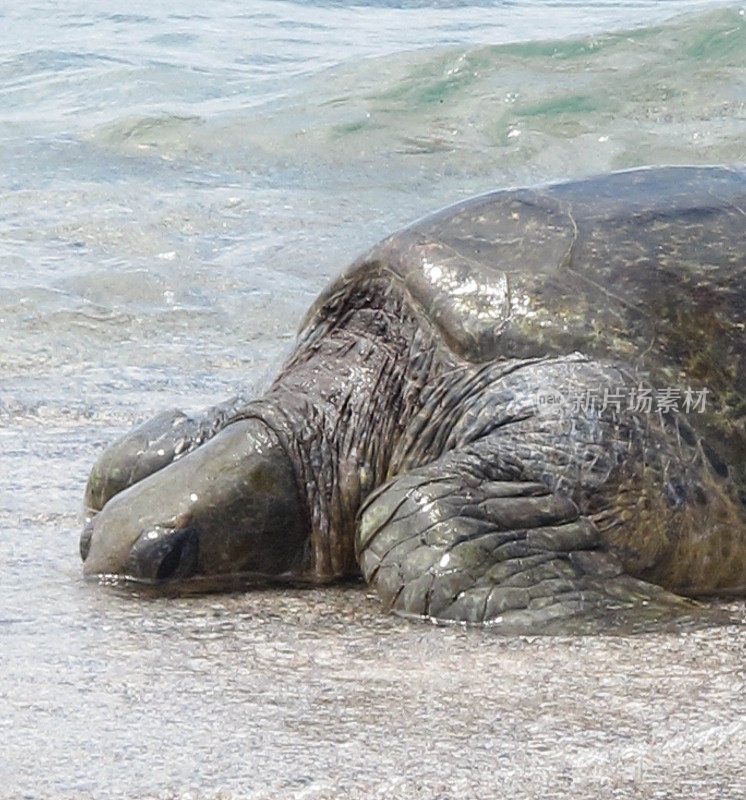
(160, 554)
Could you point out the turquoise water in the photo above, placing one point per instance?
(177, 186)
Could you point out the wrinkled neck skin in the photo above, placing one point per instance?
(341, 407)
(371, 392)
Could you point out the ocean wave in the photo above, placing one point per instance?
(669, 92)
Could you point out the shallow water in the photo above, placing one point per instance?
(176, 189)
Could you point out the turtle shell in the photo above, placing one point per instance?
(645, 265)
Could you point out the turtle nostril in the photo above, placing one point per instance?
(85, 540)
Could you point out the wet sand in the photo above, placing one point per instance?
(315, 694)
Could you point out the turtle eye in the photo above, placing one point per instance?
(164, 554)
(180, 560)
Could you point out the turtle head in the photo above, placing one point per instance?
(226, 512)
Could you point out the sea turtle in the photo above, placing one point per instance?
(527, 410)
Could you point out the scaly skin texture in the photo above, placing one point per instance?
(402, 438)
(346, 401)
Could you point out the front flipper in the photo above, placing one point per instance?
(150, 447)
(453, 542)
